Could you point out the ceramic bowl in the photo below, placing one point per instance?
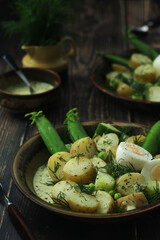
(30, 102)
(32, 154)
(97, 76)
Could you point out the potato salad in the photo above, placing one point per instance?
(109, 172)
(136, 77)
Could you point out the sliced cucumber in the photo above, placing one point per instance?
(104, 181)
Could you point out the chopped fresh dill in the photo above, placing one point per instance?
(117, 169)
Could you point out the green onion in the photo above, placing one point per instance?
(48, 133)
(141, 46)
(75, 129)
(114, 59)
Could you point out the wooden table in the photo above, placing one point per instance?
(101, 26)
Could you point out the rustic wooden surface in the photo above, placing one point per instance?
(101, 26)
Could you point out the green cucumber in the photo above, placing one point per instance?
(106, 128)
(104, 181)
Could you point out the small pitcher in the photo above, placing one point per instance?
(51, 57)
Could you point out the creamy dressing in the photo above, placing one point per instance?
(43, 184)
(22, 88)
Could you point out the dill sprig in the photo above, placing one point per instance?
(40, 22)
(117, 208)
(89, 189)
(138, 140)
(56, 167)
(152, 197)
(60, 201)
(116, 169)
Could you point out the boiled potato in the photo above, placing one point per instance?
(56, 163)
(138, 59)
(132, 201)
(138, 139)
(79, 169)
(145, 74)
(63, 189)
(157, 156)
(130, 183)
(99, 164)
(82, 202)
(85, 146)
(105, 202)
(153, 94)
(119, 68)
(124, 90)
(107, 141)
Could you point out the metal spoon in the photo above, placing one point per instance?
(18, 71)
(152, 23)
(16, 217)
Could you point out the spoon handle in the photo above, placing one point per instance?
(10, 62)
(20, 224)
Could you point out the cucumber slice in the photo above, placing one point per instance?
(106, 128)
(104, 181)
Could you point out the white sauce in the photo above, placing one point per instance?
(22, 89)
(43, 184)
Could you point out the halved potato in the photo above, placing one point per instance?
(62, 191)
(82, 202)
(105, 202)
(79, 169)
(99, 164)
(130, 183)
(106, 141)
(56, 163)
(138, 139)
(124, 90)
(132, 201)
(85, 146)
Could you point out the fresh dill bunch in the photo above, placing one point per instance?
(40, 22)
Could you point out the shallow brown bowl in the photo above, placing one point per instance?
(100, 68)
(30, 102)
(33, 154)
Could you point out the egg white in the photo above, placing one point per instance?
(132, 155)
(156, 65)
(148, 172)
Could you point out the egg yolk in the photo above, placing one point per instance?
(155, 172)
(135, 149)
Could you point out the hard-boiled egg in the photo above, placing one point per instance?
(132, 155)
(151, 171)
(156, 65)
